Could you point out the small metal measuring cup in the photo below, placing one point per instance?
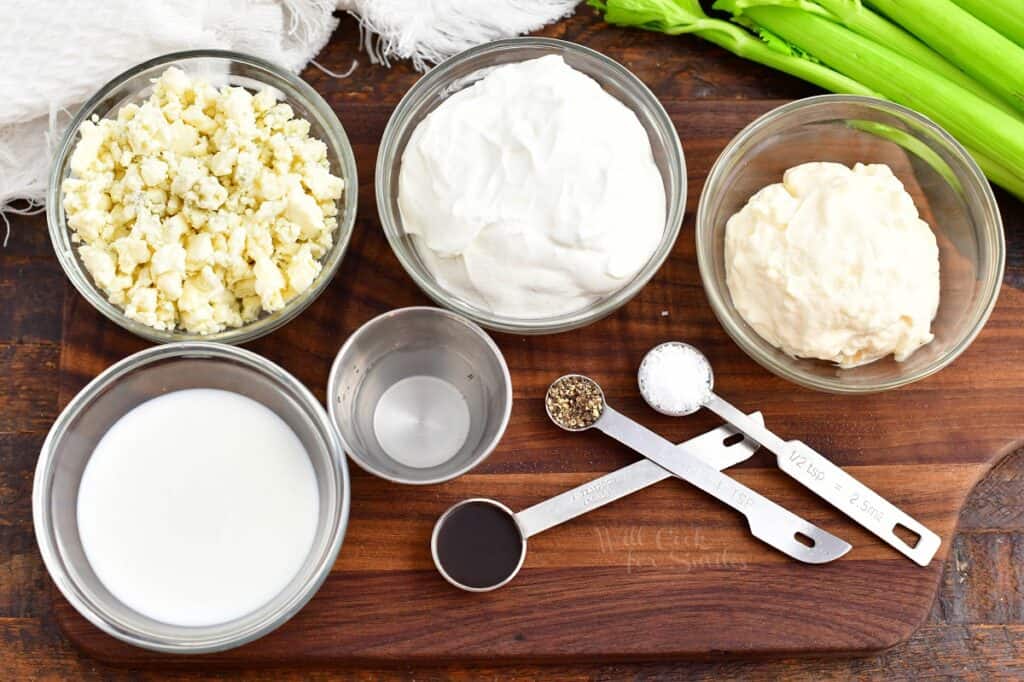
(503, 544)
(418, 342)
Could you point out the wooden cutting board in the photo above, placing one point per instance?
(664, 573)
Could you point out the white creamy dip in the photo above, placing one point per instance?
(835, 263)
(533, 192)
(198, 507)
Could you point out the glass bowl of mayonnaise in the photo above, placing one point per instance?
(817, 237)
(532, 185)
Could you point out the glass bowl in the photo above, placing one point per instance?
(947, 186)
(221, 68)
(122, 387)
(462, 71)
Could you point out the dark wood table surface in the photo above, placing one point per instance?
(976, 626)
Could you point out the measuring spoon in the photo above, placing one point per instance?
(499, 561)
(768, 522)
(798, 460)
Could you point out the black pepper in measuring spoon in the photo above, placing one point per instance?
(574, 402)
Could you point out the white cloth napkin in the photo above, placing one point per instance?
(429, 31)
(56, 53)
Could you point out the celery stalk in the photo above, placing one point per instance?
(861, 20)
(991, 58)
(1005, 16)
(912, 145)
(980, 126)
(1011, 181)
(993, 137)
(676, 17)
(995, 172)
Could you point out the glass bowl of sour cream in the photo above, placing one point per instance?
(532, 185)
(191, 498)
(813, 293)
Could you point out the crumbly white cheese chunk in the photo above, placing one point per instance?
(201, 208)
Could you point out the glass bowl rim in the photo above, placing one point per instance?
(54, 559)
(438, 78)
(993, 228)
(60, 233)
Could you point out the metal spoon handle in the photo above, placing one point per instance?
(710, 447)
(838, 488)
(768, 522)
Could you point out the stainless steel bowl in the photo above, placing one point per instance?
(106, 399)
(230, 68)
(410, 342)
(461, 72)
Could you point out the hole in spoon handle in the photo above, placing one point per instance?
(745, 424)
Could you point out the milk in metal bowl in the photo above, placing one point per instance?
(198, 507)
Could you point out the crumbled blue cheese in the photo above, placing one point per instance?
(200, 209)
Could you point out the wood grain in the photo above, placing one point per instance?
(958, 641)
(668, 573)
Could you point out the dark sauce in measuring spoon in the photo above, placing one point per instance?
(479, 545)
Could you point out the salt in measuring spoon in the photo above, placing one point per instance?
(479, 544)
(576, 403)
(676, 379)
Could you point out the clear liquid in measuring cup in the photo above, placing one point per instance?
(479, 545)
(421, 421)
